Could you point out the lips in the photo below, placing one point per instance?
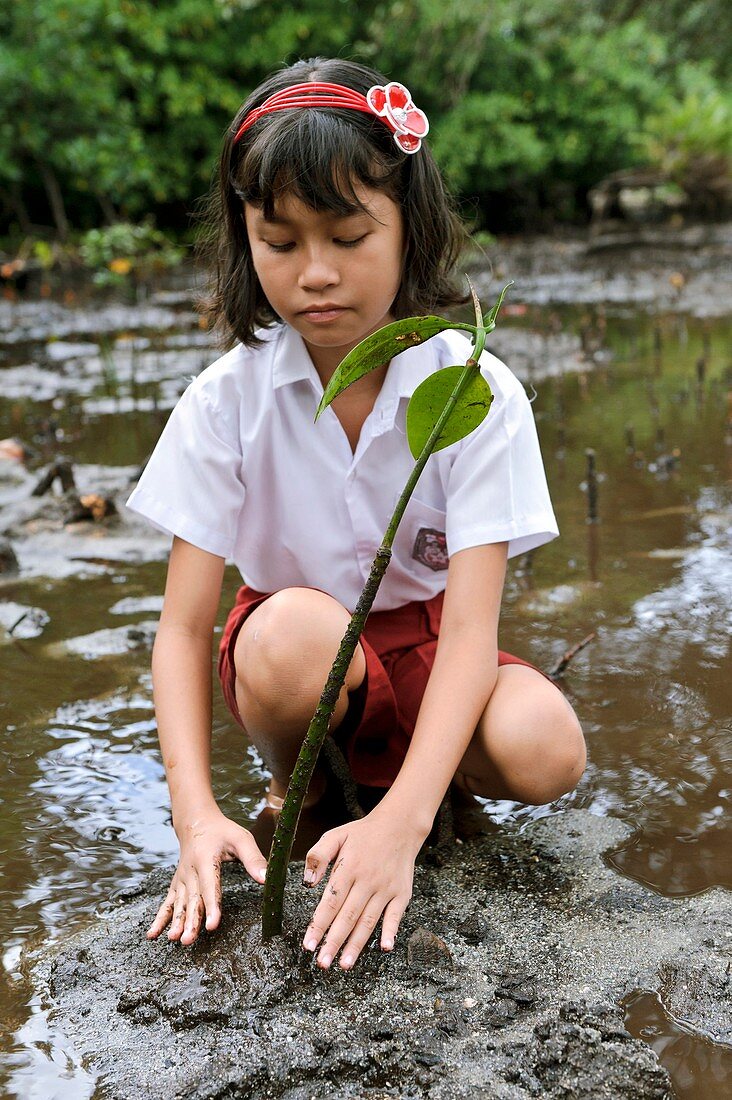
(321, 313)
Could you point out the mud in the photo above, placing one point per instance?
(46, 538)
(505, 983)
(684, 270)
(658, 271)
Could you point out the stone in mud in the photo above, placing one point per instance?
(12, 450)
(452, 1019)
(426, 951)
(90, 506)
(109, 642)
(518, 988)
(20, 621)
(474, 929)
(134, 605)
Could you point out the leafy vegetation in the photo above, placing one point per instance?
(111, 110)
(116, 251)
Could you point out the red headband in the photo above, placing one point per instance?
(391, 103)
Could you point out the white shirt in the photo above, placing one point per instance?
(243, 471)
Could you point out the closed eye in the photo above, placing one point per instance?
(343, 242)
(350, 243)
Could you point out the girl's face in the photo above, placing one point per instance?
(331, 277)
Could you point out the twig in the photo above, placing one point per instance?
(17, 623)
(561, 665)
(591, 486)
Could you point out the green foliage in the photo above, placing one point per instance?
(44, 253)
(113, 109)
(694, 30)
(563, 117)
(119, 250)
(429, 400)
(380, 348)
(696, 123)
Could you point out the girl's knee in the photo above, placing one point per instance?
(552, 755)
(533, 741)
(286, 647)
(566, 758)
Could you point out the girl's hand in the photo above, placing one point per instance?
(373, 874)
(195, 889)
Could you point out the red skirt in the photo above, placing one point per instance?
(400, 647)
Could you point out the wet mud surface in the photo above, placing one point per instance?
(625, 349)
(683, 271)
(505, 982)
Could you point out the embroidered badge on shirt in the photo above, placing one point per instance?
(430, 547)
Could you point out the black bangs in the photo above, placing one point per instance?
(318, 157)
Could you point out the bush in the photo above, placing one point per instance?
(690, 140)
(122, 250)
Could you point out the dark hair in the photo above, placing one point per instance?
(318, 155)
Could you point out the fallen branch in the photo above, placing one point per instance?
(561, 666)
(61, 470)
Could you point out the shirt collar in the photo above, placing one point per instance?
(405, 373)
(291, 363)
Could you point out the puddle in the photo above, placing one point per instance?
(85, 810)
(699, 1068)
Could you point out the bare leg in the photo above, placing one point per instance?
(528, 745)
(283, 654)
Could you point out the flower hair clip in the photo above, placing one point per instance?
(393, 102)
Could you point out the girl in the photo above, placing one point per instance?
(331, 220)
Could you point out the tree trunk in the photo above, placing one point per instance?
(109, 210)
(14, 202)
(56, 200)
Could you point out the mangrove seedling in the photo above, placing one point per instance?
(444, 408)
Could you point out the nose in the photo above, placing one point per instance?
(319, 269)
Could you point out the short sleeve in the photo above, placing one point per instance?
(192, 485)
(497, 489)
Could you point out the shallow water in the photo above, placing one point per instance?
(84, 804)
(699, 1068)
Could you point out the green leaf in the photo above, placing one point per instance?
(380, 348)
(429, 399)
(489, 321)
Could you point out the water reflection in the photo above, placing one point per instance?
(42, 1065)
(699, 1068)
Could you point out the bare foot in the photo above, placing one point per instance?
(323, 809)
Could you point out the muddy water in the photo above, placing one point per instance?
(698, 1067)
(84, 812)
